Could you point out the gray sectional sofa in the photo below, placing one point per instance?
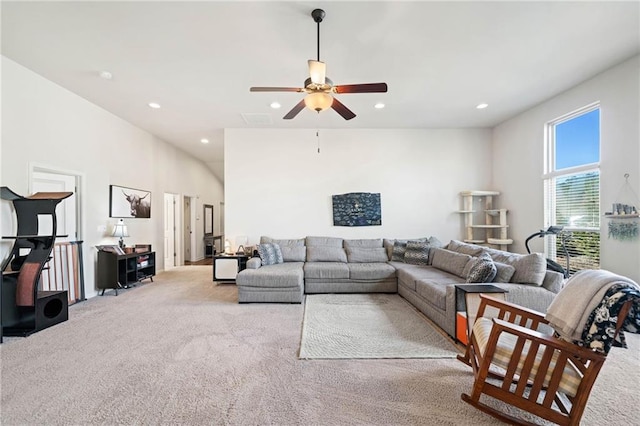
(335, 265)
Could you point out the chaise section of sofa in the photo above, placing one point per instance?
(279, 283)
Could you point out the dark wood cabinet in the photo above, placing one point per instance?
(122, 271)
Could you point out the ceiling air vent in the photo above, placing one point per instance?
(257, 119)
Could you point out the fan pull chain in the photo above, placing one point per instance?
(318, 139)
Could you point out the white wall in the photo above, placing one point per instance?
(277, 184)
(45, 124)
(518, 155)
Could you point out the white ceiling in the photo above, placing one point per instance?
(198, 59)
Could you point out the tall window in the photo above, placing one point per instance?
(572, 187)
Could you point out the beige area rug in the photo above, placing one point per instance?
(346, 326)
(182, 351)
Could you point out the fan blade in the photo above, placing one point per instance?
(361, 88)
(295, 110)
(317, 72)
(339, 107)
(275, 89)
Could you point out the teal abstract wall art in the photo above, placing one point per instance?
(357, 209)
(623, 229)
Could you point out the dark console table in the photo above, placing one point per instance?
(122, 271)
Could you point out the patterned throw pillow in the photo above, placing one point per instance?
(483, 270)
(399, 249)
(417, 252)
(270, 254)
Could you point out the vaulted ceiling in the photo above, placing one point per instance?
(198, 59)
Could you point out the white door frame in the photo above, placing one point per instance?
(192, 220)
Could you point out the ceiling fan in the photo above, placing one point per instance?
(320, 88)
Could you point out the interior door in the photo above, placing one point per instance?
(169, 231)
(186, 214)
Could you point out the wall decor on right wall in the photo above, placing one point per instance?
(357, 209)
(623, 218)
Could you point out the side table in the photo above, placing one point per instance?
(471, 296)
(226, 267)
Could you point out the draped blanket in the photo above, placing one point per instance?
(586, 310)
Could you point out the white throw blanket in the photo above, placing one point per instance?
(570, 310)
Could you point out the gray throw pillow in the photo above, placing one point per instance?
(505, 272)
(483, 270)
(417, 253)
(399, 249)
(267, 253)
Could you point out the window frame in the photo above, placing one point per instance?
(550, 174)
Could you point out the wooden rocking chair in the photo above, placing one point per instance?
(538, 373)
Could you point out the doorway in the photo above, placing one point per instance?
(189, 207)
(170, 240)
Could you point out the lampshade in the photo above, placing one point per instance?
(318, 101)
(317, 72)
(120, 230)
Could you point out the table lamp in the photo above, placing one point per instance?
(120, 230)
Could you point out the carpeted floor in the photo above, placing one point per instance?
(347, 326)
(183, 351)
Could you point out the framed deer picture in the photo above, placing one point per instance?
(129, 202)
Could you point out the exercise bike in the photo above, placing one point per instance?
(564, 236)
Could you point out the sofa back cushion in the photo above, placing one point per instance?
(366, 255)
(289, 242)
(450, 261)
(294, 253)
(460, 247)
(321, 253)
(363, 243)
(324, 241)
(530, 268)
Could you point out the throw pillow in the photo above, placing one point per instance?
(398, 251)
(417, 252)
(505, 272)
(268, 254)
(483, 270)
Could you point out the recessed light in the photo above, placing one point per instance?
(275, 105)
(154, 105)
(379, 105)
(106, 75)
(482, 106)
(204, 140)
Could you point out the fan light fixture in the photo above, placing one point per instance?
(319, 88)
(318, 101)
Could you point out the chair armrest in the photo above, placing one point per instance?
(500, 326)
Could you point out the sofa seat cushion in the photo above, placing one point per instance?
(280, 275)
(326, 270)
(371, 271)
(409, 274)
